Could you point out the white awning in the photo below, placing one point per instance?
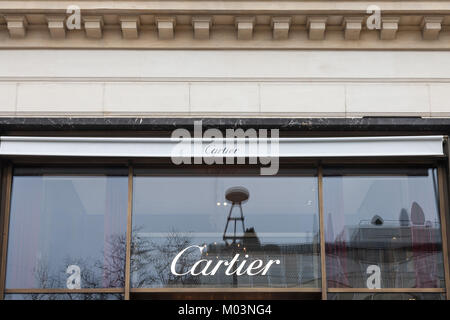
(164, 147)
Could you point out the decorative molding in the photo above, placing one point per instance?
(56, 26)
(431, 27)
(17, 26)
(389, 28)
(352, 27)
(316, 27)
(166, 27)
(130, 27)
(280, 7)
(244, 27)
(298, 40)
(280, 27)
(201, 26)
(226, 24)
(93, 26)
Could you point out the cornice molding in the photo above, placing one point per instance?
(209, 24)
(229, 6)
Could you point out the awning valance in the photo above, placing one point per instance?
(383, 146)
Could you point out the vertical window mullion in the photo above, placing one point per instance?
(5, 208)
(322, 234)
(129, 233)
(443, 208)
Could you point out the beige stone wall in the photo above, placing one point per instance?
(225, 58)
(217, 83)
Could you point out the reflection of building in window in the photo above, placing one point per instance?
(299, 263)
(237, 196)
(407, 250)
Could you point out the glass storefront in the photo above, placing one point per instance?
(67, 222)
(225, 229)
(277, 221)
(382, 228)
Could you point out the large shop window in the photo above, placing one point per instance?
(270, 224)
(225, 228)
(66, 223)
(382, 228)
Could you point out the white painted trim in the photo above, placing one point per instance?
(162, 147)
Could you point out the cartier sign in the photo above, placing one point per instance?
(238, 265)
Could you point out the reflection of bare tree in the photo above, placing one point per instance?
(151, 261)
(71, 296)
(47, 280)
(90, 278)
(150, 266)
(113, 265)
(140, 260)
(108, 272)
(43, 275)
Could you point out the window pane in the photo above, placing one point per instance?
(382, 228)
(386, 296)
(280, 231)
(67, 230)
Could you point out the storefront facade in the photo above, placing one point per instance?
(316, 163)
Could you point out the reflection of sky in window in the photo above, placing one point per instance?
(281, 209)
(72, 208)
(369, 221)
(60, 220)
(366, 196)
(88, 201)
